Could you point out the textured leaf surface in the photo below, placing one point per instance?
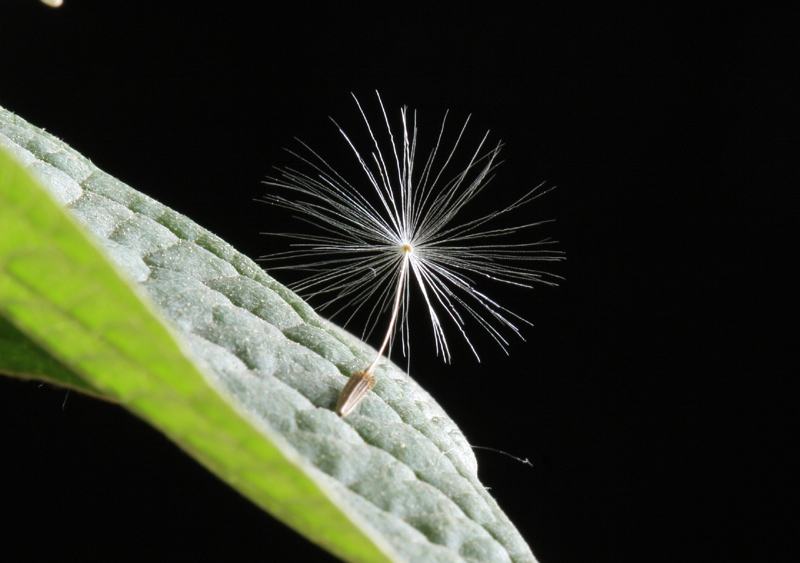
(56, 285)
(269, 371)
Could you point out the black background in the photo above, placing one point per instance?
(651, 396)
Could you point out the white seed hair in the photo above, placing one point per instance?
(370, 243)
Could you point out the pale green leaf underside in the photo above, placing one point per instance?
(244, 376)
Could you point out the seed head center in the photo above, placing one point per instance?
(406, 248)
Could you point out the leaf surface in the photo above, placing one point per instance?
(107, 291)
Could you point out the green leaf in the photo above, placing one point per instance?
(21, 357)
(242, 374)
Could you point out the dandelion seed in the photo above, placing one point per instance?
(401, 225)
